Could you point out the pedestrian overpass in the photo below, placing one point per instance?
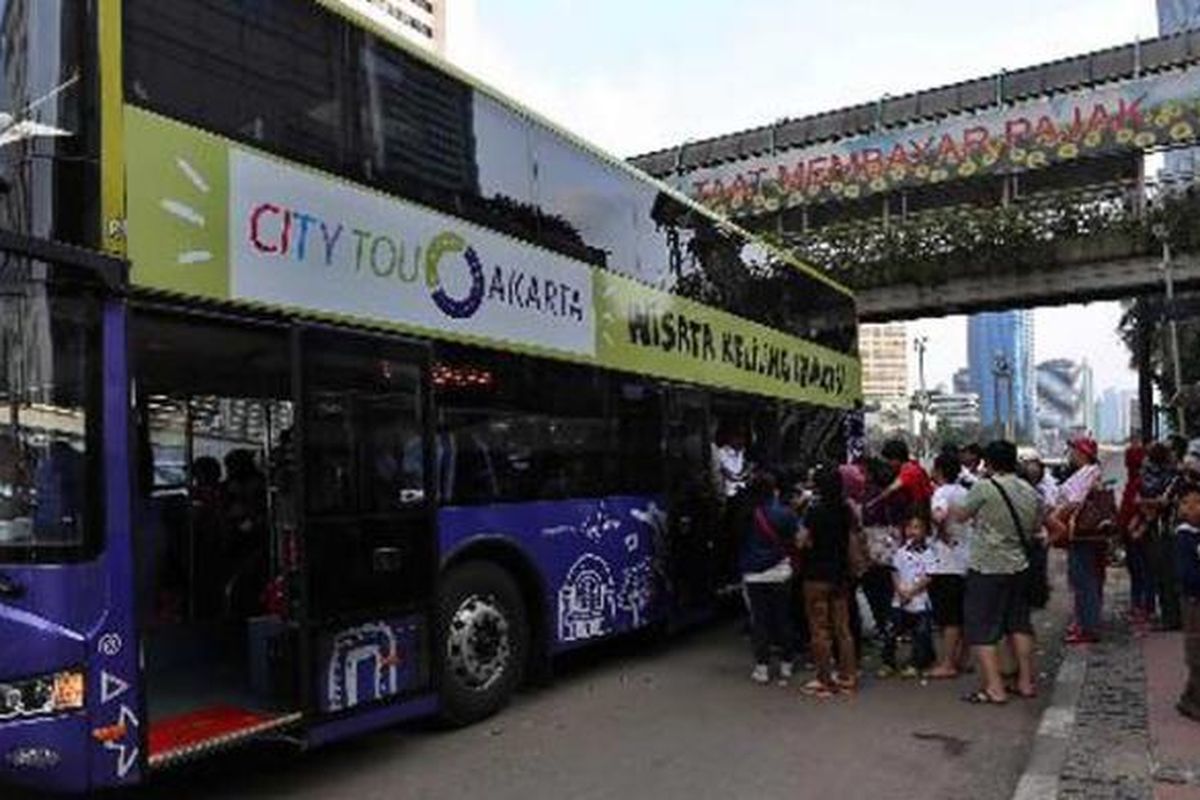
(1019, 189)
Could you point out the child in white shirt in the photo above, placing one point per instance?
(911, 609)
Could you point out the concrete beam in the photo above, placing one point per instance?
(1060, 285)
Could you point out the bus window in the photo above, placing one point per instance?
(533, 430)
(638, 410)
(49, 424)
(266, 72)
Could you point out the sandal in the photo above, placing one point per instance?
(816, 688)
(1078, 637)
(942, 674)
(982, 698)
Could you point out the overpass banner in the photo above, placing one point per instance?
(1154, 111)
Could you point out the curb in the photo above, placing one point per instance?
(1040, 779)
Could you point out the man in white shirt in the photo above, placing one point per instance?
(951, 551)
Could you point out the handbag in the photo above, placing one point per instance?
(1037, 579)
(1096, 518)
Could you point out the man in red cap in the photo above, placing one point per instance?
(1086, 547)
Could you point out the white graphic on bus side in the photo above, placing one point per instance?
(595, 525)
(637, 590)
(372, 644)
(587, 600)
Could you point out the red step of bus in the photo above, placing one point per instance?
(197, 732)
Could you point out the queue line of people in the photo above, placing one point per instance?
(963, 552)
(928, 553)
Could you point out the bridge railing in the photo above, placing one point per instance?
(1108, 222)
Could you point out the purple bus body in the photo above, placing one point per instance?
(84, 618)
(598, 562)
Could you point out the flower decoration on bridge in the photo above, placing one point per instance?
(889, 161)
(1068, 150)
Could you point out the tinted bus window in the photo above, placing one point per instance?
(49, 175)
(415, 124)
(514, 429)
(263, 71)
(49, 418)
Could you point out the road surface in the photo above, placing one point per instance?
(676, 720)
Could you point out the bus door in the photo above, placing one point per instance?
(369, 546)
(692, 497)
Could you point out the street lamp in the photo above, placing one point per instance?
(920, 344)
(1160, 231)
(1002, 371)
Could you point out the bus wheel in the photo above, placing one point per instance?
(483, 641)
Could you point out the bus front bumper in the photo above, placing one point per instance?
(47, 753)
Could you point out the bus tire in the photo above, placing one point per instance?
(482, 643)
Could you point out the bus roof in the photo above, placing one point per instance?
(363, 21)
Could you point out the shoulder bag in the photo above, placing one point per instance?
(1037, 579)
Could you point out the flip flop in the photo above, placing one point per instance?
(982, 698)
(934, 675)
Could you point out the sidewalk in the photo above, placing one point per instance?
(1111, 730)
(1174, 739)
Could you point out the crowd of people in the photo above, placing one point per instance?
(954, 559)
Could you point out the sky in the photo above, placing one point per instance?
(637, 75)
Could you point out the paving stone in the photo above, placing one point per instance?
(1109, 751)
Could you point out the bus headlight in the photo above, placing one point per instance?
(45, 694)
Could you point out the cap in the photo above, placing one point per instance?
(1086, 446)
(1028, 454)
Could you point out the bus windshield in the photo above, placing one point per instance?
(49, 375)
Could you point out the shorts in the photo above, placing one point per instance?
(994, 607)
(947, 593)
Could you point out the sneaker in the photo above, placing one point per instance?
(761, 674)
(885, 672)
(785, 672)
(910, 672)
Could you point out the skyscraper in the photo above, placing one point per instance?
(1004, 337)
(1114, 422)
(419, 21)
(884, 353)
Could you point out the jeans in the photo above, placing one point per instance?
(770, 620)
(1141, 587)
(828, 610)
(878, 587)
(1190, 607)
(920, 623)
(1083, 560)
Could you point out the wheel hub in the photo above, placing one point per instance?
(478, 646)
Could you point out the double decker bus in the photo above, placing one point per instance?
(337, 389)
